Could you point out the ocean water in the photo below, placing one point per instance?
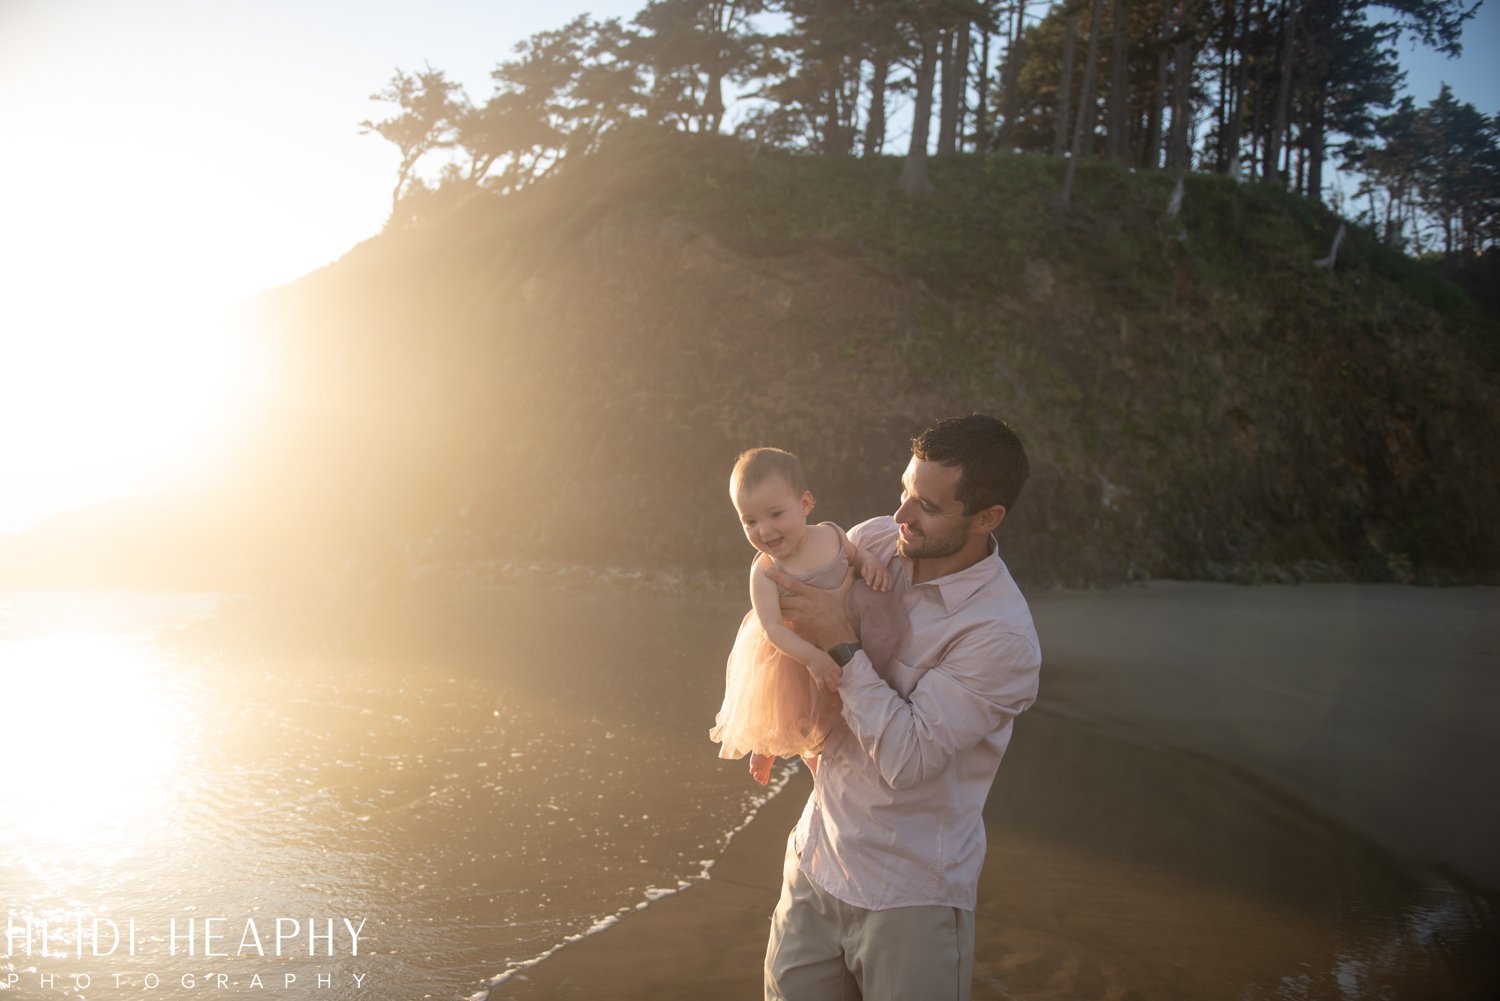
(412, 798)
(387, 801)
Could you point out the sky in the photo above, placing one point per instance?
(167, 158)
(163, 160)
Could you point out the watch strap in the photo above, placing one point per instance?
(843, 653)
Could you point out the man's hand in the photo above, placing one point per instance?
(818, 616)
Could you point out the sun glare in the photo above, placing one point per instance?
(96, 736)
(119, 371)
(108, 398)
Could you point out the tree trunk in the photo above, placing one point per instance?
(1315, 142)
(713, 103)
(1283, 92)
(842, 110)
(1065, 85)
(1119, 86)
(982, 88)
(1178, 155)
(831, 130)
(961, 78)
(1010, 108)
(1258, 101)
(1234, 127)
(1088, 109)
(875, 127)
(914, 180)
(849, 106)
(948, 100)
(1221, 109)
(955, 61)
(1151, 151)
(1286, 146)
(396, 196)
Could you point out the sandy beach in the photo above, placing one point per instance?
(1223, 793)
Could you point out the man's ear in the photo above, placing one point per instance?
(990, 518)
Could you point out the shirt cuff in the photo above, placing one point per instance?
(858, 675)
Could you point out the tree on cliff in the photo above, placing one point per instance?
(428, 109)
(1087, 111)
(561, 93)
(1280, 80)
(914, 180)
(1262, 87)
(1438, 163)
(1389, 160)
(688, 50)
(926, 23)
(818, 75)
(885, 46)
(1462, 183)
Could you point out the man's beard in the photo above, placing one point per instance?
(928, 547)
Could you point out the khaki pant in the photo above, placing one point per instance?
(822, 949)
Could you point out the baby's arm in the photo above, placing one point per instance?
(872, 571)
(766, 601)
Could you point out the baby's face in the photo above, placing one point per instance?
(773, 515)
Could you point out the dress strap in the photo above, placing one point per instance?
(843, 538)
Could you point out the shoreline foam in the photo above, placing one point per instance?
(785, 773)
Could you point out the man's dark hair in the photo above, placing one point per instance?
(760, 464)
(990, 457)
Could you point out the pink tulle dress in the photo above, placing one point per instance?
(771, 704)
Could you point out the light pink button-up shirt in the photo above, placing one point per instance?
(894, 819)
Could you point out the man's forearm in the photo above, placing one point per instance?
(954, 706)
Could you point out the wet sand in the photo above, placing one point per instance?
(1224, 793)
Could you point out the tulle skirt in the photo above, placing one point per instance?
(771, 704)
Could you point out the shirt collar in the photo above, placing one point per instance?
(958, 587)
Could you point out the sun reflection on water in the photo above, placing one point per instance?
(96, 739)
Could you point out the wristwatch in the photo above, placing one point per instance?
(843, 653)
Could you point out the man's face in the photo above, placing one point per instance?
(931, 517)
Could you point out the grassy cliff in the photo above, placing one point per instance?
(567, 374)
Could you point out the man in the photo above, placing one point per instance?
(882, 870)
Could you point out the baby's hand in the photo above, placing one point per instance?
(875, 573)
(760, 767)
(825, 672)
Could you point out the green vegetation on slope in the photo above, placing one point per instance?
(566, 374)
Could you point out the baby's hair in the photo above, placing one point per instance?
(756, 465)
